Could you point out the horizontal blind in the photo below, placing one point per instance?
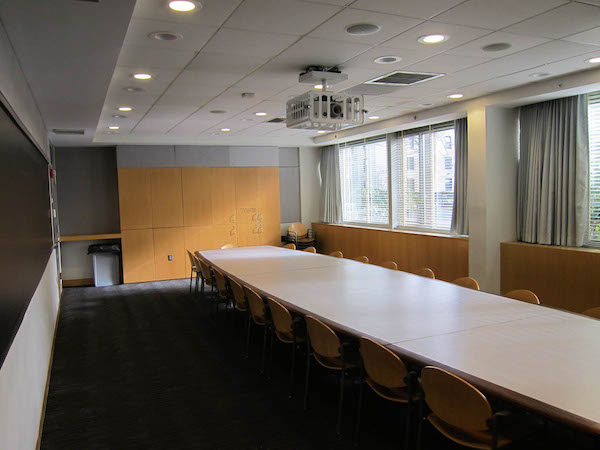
(594, 136)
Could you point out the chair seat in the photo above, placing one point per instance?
(399, 394)
(242, 308)
(258, 320)
(288, 338)
(306, 240)
(336, 363)
(508, 432)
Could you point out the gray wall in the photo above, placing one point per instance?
(88, 196)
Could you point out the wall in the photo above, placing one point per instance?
(310, 184)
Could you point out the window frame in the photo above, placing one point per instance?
(593, 99)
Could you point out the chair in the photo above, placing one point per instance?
(425, 272)
(240, 303)
(389, 265)
(290, 246)
(207, 276)
(330, 353)
(259, 317)
(310, 250)
(285, 330)
(592, 312)
(523, 295)
(195, 270)
(385, 373)
(467, 282)
(222, 291)
(301, 236)
(337, 254)
(362, 259)
(226, 246)
(463, 414)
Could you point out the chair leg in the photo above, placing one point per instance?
(408, 413)
(272, 332)
(264, 351)
(292, 367)
(191, 278)
(421, 420)
(341, 401)
(307, 373)
(248, 331)
(359, 410)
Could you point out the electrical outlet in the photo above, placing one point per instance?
(170, 257)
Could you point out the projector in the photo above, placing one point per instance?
(323, 110)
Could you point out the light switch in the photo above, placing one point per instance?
(170, 257)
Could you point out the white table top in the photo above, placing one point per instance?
(539, 357)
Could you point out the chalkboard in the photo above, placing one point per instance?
(25, 226)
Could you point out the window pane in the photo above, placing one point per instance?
(443, 153)
(594, 133)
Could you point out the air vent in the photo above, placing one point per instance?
(68, 132)
(276, 120)
(403, 78)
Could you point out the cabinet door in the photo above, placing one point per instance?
(248, 234)
(269, 217)
(138, 255)
(225, 234)
(135, 199)
(169, 253)
(247, 198)
(222, 186)
(167, 206)
(197, 202)
(198, 238)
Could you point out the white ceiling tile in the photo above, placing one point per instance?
(213, 12)
(280, 16)
(223, 70)
(422, 9)
(391, 25)
(446, 63)
(518, 43)
(457, 35)
(321, 52)
(560, 22)
(123, 77)
(162, 118)
(591, 37)
(139, 101)
(194, 36)
(416, 91)
(496, 14)
(384, 101)
(366, 59)
(159, 58)
(187, 99)
(250, 43)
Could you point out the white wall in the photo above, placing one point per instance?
(310, 184)
(24, 372)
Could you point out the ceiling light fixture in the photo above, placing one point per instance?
(165, 36)
(455, 96)
(184, 5)
(594, 60)
(113, 127)
(362, 29)
(497, 47)
(320, 86)
(374, 117)
(424, 105)
(387, 60)
(142, 76)
(218, 111)
(433, 39)
(321, 131)
(225, 129)
(261, 114)
(539, 75)
(119, 116)
(125, 108)
(133, 89)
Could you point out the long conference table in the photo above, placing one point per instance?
(543, 359)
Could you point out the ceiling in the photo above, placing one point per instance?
(231, 47)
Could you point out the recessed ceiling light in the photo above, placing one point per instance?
(594, 60)
(113, 127)
(497, 47)
(133, 89)
(184, 5)
(362, 29)
(142, 76)
(374, 117)
(539, 74)
(387, 60)
(119, 116)
(225, 129)
(165, 36)
(125, 108)
(218, 111)
(433, 39)
(261, 113)
(320, 86)
(321, 131)
(455, 96)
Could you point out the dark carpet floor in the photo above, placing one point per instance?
(147, 366)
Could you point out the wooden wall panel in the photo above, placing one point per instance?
(222, 189)
(269, 207)
(138, 255)
(448, 256)
(225, 234)
(197, 200)
(169, 241)
(247, 195)
(198, 238)
(135, 199)
(562, 277)
(167, 203)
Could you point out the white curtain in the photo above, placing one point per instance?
(553, 180)
(331, 192)
(460, 217)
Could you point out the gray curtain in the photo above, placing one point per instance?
(460, 217)
(553, 179)
(331, 191)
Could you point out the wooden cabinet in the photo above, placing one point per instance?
(135, 199)
(138, 255)
(225, 234)
(198, 238)
(167, 201)
(247, 196)
(197, 196)
(222, 191)
(269, 209)
(169, 253)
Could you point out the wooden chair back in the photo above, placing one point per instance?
(425, 272)
(455, 401)
(220, 282)
(205, 269)
(299, 229)
(282, 319)
(523, 295)
(389, 265)
(382, 366)
(310, 250)
(337, 254)
(256, 305)
(323, 339)
(362, 259)
(239, 296)
(192, 259)
(593, 312)
(467, 282)
(226, 246)
(291, 246)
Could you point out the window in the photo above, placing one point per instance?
(364, 181)
(448, 163)
(410, 163)
(594, 133)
